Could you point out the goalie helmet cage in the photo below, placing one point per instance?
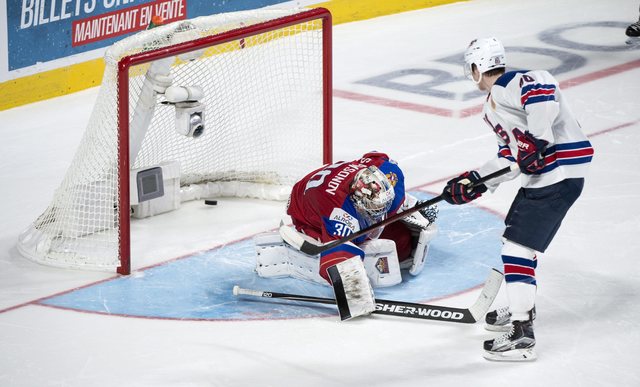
(266, 82)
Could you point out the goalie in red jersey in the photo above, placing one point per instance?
(337, 200)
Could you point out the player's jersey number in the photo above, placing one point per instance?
(341, 229)
(318, 178)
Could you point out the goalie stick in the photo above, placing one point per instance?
(311, 247)
(408, 309)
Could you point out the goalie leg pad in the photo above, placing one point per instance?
(354, 295)
(381, 262)
(276, 259)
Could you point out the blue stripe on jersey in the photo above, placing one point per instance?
(574, 161)
(348, 248)
(567, 158)
(340, 229)
(539, 98)
(336, 228)
(537, 92)
(505, 152)
(537, 86)
(572, 145)
(547, 168)
(508, 76)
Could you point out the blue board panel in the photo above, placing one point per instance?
(43, 30)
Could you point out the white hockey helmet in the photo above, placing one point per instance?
(372, 192)
(487, 54)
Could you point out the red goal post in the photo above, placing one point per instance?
(263, 81)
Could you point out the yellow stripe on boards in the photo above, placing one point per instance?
(49, 84)
(73, 78)
(344, 11)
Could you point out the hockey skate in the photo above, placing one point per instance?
(516, 345)
(633, 34)
(499, 320)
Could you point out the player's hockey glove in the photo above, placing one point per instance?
(463, 188)
(530, 152)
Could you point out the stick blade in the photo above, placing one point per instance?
(300, 241)
(488, 295)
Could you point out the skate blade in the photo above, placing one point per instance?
(633, 41)
(528, 354)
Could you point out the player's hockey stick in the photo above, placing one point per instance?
(311, 247)
(408, 309)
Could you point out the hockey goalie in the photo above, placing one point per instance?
(335, 201)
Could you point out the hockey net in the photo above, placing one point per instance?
(265, 77)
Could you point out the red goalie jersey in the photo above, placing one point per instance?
(322, 206)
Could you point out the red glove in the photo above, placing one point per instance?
(463, 188)
(530, 152)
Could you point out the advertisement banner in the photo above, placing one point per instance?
(55, 47)
(40, 31)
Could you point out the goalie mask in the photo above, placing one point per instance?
(487, 54)
(372, 193)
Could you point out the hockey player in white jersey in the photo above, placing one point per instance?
(535, 128)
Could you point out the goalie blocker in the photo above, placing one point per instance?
(354, 295)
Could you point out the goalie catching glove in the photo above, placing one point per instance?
(420, 219)
(423, 230)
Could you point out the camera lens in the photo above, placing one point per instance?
(195, 122)
(198, 131)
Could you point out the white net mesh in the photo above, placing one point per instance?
(263, 109)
